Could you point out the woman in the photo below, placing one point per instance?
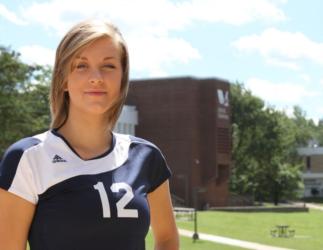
(80, 186)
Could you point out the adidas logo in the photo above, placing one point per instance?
(57, 158)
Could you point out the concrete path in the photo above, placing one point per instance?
(314, 206)
(310, 205)
(229, 241)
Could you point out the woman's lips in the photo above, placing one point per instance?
(95, 93)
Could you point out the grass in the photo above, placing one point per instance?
(256, 227)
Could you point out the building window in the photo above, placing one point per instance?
(308, 163)
(223, 174)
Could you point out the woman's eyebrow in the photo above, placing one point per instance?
(109, 57)
(81, 57)
(104, 59)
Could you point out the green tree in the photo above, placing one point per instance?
(23, 98)
(264, 149)
(305, 129)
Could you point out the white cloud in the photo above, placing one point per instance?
(282, 48)
(283, 63)
(306, 78)
(151, 53)
(35, 54)
(233, 12)
(160, 15)
(283, 93)
(10, 16)
(147, 25)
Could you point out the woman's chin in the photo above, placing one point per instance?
(96, 110)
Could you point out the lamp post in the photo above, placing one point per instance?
(195, 234)
(196, 190)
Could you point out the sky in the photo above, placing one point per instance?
(273, 47)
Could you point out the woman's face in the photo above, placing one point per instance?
(95, 79)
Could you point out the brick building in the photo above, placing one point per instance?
(189, 120)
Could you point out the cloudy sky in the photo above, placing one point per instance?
(274, 47)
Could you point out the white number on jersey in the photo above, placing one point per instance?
(121, 204)
(104, 199)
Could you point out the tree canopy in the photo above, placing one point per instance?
(24, 106)
(265, 161)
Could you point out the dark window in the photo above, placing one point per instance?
(223, 174)
(308, 163)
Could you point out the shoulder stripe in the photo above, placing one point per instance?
(11, 159)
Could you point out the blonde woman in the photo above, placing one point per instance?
(80, 186)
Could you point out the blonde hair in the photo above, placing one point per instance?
(79, 36)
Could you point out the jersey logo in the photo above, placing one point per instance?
(57, 158)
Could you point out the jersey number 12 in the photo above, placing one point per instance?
(122, 212)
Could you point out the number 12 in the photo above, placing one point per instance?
(122, 212)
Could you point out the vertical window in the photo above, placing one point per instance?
(223, 174)
(308, 163)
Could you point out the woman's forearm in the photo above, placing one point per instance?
(171, 244)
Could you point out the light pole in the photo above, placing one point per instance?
(196, 190)
(195, 234)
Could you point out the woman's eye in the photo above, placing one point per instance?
(81, 66)
(109, 66)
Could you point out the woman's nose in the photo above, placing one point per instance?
(95, 77)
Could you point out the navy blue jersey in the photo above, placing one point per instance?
(96, 204)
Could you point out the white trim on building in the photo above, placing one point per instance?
(310, 151)
(127, 121)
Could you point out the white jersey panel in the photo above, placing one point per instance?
(48, 173)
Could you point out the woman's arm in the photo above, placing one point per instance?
(162, 219)
(15, 219)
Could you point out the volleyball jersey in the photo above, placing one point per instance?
(97, 204)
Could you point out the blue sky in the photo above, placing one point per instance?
(274, 47)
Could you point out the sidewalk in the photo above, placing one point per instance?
(229, 241)
(310, 205)
(314, 206)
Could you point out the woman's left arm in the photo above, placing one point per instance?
(162, 218)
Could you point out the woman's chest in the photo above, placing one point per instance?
(93, 207)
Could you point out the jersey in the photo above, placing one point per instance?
(96, 204)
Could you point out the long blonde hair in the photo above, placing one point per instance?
(79, 36)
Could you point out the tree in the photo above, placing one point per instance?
(23, 98)
(305, 129)
(264, 149)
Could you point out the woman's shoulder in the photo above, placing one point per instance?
(131, 139)
(19, 147)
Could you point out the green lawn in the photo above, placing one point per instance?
(256, 227)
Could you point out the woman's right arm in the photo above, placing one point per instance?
(16, 215)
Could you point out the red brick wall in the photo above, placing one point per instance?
(180, 115)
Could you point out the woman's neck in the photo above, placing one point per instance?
(88, 135)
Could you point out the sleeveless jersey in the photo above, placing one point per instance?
(96, 204)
